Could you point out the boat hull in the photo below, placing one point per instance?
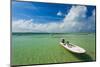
(73, 48)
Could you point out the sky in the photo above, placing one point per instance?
(40, 17)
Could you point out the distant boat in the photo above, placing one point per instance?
(73, 48)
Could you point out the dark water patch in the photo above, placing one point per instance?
(84, 57)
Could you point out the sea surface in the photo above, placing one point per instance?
(44, 48)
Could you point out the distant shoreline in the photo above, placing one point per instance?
(30, 33)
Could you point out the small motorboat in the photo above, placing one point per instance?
(73, 48)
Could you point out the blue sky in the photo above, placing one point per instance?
(45, 12)
(52, 18)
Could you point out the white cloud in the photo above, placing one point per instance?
(74, 21)
(29, 26)
(59, 13)
(71, 21)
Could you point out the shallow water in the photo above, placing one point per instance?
(45, 48)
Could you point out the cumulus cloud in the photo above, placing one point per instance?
(59, 13)
(74, 21)
(29, 26)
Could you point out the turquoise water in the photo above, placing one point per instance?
(45, 48)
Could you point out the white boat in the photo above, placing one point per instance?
(73, 48)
